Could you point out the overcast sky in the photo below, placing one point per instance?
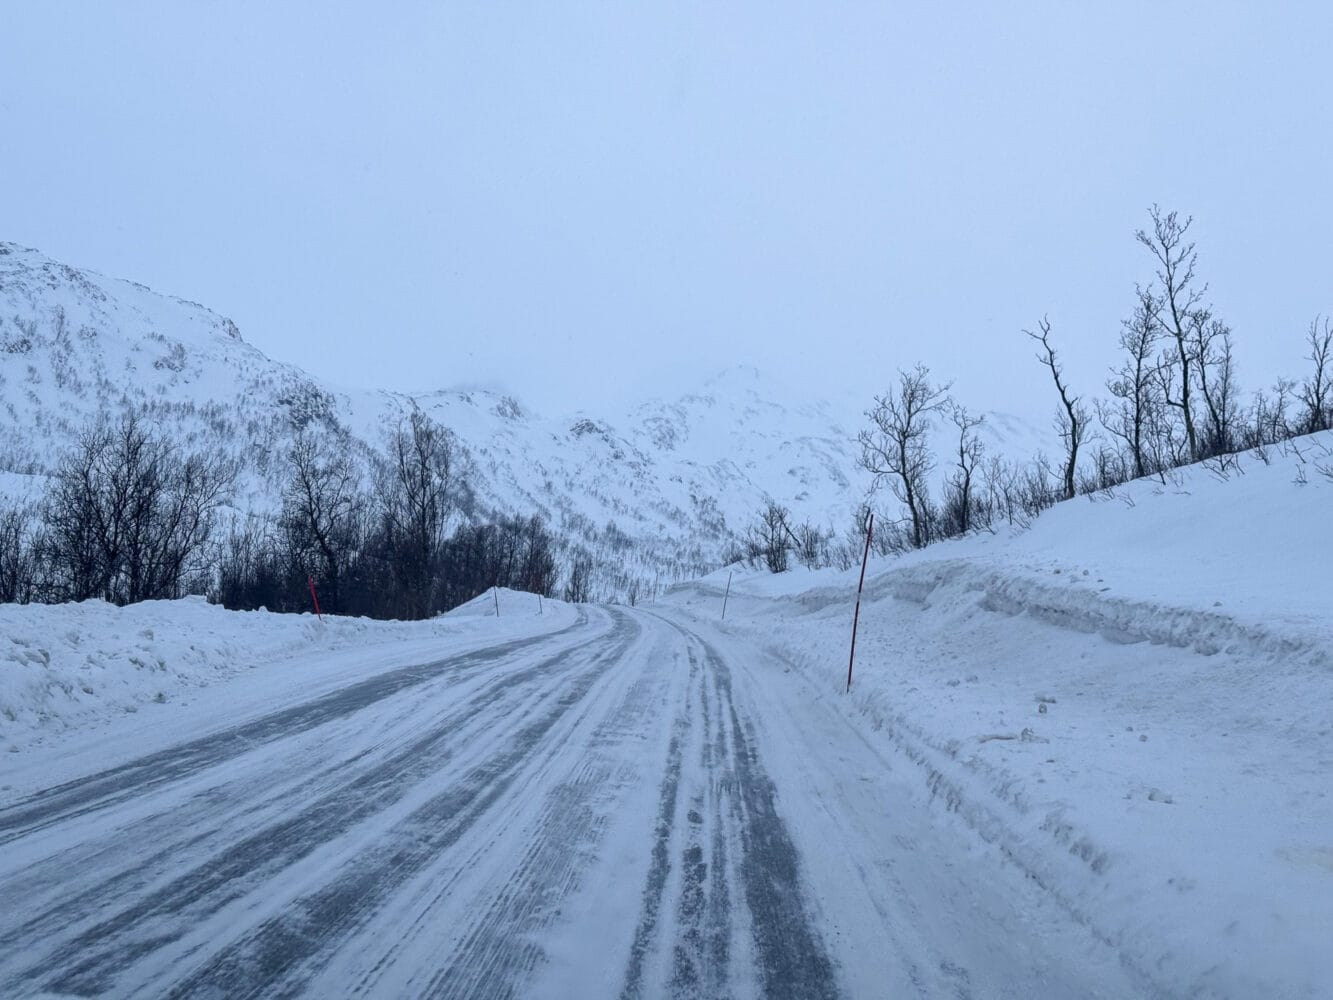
(585, 203)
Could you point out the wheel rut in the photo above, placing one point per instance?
(724, 907)
(127, 781)
(115, 938)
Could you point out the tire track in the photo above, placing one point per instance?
(278, 957)
(792, 959)
(655, 888)
(68, 912)
(150, 837)
(730, 845)
(89, 961)
(701, 956)
(495, 958)
(118, 784)
(345, 888)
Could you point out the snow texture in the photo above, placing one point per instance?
(1132, 703)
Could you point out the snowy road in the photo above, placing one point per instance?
(633, 805)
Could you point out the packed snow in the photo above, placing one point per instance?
(68, 671)
(1132, 702)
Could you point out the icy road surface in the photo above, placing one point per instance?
(630, 806)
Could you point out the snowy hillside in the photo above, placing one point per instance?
(661, 490)
(1129, 702)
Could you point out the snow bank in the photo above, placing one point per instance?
(77, 666)
(1132, 702)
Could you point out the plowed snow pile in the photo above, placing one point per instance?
(78, 667)
(1132, 701)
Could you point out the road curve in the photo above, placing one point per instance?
(628, 807)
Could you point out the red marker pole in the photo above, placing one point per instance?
(310, 582)
(870, 526)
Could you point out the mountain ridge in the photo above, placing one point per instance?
(664, 487)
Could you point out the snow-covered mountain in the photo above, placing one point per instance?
(663, 488)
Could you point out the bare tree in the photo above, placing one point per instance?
(1002, 482)
(1131, 418)
(415, 492)
(770, 538)
(1179, 300)
(960, 505)
(1266, 422)
(578, 589)
(128, 515)
(76, 518)
(178, 529)
(251, 569)
(18, 556)
(536, 569)
(811, 545)
(1108, 469)
(895, 448)
(1316, 392)
(1035, 491)
(1212, 350)
(322, 509)
(1072, 418)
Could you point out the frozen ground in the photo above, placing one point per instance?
(1091, 759)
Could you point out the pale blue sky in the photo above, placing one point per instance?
(587, 202)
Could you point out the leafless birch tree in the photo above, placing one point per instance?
(1131, 418)
(1181, 297)
(895, 448)
(1072, 418)
(1316, 392)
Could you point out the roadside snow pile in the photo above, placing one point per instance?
(1132, 702)
(74, 666)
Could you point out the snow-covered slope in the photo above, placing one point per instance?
(1130, 702)
(658, 491)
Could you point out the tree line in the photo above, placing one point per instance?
(129, 516)
(1174, 399)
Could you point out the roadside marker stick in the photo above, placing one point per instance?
(495, 592)
(856, 616)
(310, 582)
(539, 605)
(725, 596)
